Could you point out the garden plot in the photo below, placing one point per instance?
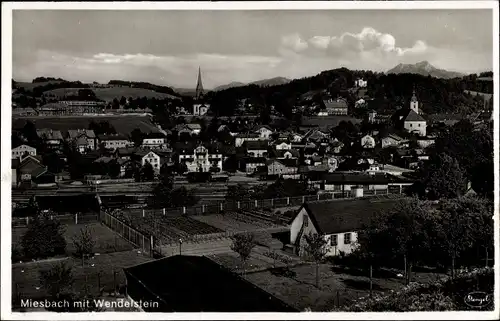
(230, 223)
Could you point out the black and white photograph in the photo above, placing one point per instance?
(255, 157)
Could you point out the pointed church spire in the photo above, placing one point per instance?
(199, 86)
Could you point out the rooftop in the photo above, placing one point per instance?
(198, 284)
(339, 216)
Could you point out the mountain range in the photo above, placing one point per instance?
(264, 82)
(424, 68)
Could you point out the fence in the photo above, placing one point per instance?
(138, 239)
(219, 208)
(68, 219)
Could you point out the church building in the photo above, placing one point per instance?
(410, 118)
(199, 107)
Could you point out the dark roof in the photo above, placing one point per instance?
(197, 284)
(413, 116)
(256, 145)
(255, 160)
(339, 216)
(154, 135)
(286, 162)
(112, 137)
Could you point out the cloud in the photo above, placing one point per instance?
(294, 42)
(367, 40)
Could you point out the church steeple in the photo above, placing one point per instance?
(414, 96)
(414, 102)
(199, 86)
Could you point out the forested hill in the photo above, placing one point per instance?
(387, 91)
(145, 85)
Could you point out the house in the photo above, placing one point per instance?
(151, 158)
(367, 141)
(285, 154)
(393, 140)
(184, 283)
(264, 132)
(314, 135)
(201, 158)
(257, 148)
(282, 145)
(335, 106)
(252, 164)
(52, 138)
(360, 83)
(245, 137)
(200, 109)
(338, 221)
(345, 181)
(296, 138)
(29, 169)
(282, 167)
(314, 160)
(23, 150)
(190, 129)
(154, 140)
(82, 139)
(425, 142)
(114, 142)
(360, 103)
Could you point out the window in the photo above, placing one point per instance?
(333, 240)
(411, 125)
(305, 220)
(347, 238)
(418, 125)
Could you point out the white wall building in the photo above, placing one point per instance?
(21, 150)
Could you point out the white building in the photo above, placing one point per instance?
(283, 146)
(201, 159)
(114, 141)
(241, 138)
(338, 221)
(153, 159)
(200, 109)
(21, 150)
(154, 140)
(360, 83)
(367, 141)
(264, 132)
(413, 122)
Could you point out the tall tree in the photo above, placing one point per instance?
(315, 248)
(243, 244)
(147, 172)
(462, 223)
(406, 231)
(84, 242)
(442, 177)
(137, 136)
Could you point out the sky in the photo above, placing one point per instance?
(167, 47)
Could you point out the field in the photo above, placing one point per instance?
(106, 240)
(336, 288)
(108, 94)
(98, 271)
(232, 223)
(123, 124)
(170, 229)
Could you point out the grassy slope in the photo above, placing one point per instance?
(122, 124)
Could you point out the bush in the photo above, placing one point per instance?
(44, 238)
